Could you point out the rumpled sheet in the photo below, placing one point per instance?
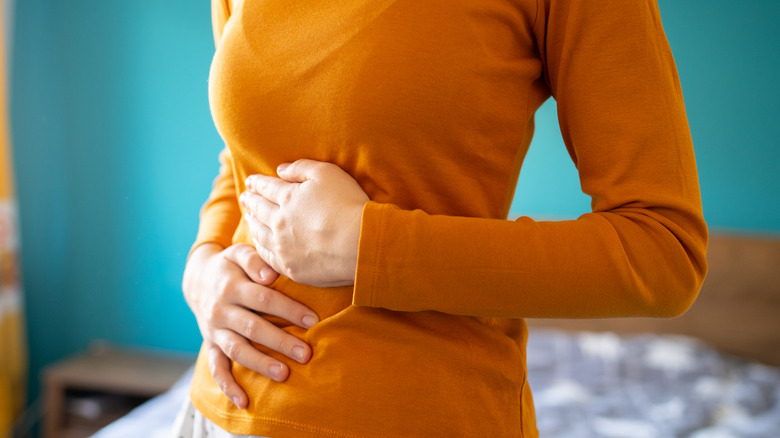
(644, 386)
(600, 385)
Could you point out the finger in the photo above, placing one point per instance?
(274, 189)
(261, 234)
(239, 350)
(219, 364)
(261, 331)
(258, 206)
(300, 170)
(271, 302)
(246, 257)
(270, 258)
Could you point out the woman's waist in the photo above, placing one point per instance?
(370, 361)
(357, 337)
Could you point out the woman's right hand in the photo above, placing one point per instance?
(226, 289)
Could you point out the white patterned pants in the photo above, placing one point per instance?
(190, 423)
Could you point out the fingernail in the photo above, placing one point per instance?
(266, 272)
(299, 353)
(237, 402)
(242, 198)
(309, 321)
(282, 167)
(248, 181)
(276, 371)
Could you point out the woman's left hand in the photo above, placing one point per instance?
(306, 223)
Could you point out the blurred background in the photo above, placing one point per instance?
(114, 151)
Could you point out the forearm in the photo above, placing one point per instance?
(621, 263)
(220, 214)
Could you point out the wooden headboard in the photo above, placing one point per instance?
(738, 308)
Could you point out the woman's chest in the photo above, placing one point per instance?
(319, 79)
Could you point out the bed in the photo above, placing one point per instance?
(712, 373)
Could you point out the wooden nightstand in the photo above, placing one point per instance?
(86, 392)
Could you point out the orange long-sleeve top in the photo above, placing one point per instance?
(429, 106)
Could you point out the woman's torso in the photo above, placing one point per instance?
(428, 106)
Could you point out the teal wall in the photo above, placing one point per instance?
(115, 151)
(728, 56)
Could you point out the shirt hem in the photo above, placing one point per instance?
(264, 426)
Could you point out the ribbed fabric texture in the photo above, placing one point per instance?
(429, 106)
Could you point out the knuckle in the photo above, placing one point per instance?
(223, 285)
(242, 251)
(212, 311)
(290, 270)
(252, 257)
(212, 314)
(231, 349)
(254, 208)
(262, 187)
(247, 261)
(263, 299)
(251, 327)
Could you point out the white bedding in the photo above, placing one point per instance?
(604, 385)
(154, 418)
(601, 385)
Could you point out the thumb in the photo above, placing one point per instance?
(298, 171)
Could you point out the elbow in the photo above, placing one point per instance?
(670, 295)
(674, 302)
(664, 252)
(678, 280)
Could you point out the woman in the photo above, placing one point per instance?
(373, 149)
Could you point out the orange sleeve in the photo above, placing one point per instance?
(220, 215)
(640, 252)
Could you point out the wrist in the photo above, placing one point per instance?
(205, 250)
(353, 245)
(196, 260)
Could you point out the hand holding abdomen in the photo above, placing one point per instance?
(227, 291)
(306, 223)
